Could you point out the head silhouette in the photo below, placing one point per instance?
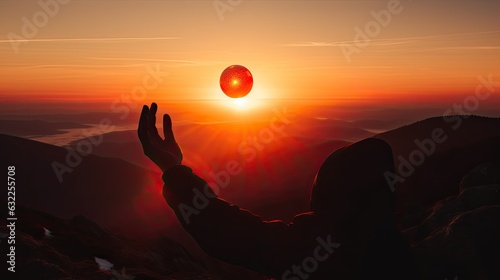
(352, 180)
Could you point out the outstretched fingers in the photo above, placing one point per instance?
(163, 153)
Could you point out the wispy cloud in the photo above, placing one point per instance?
(341, 67)
(80, 66)
(169, 62)
(146, 59)
(92, 39)
(313, 44)
(127, 62)
(381, 42)
(178, 61)
(468, 48)
(385, 42)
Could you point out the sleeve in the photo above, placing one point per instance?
(225, 231)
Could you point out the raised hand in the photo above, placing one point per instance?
(163, 152)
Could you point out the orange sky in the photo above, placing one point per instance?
(98, 50)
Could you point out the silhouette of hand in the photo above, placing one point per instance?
(163, 152)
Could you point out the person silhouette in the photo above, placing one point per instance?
(348, 234)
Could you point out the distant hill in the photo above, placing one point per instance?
(35, 127)
(469, 145)
(83, 118)
(461, 131)
(475, 141)
(437, 208)
(120, 196)
(104, 189)
(379, 124)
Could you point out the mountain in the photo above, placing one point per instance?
(108, 190)
(459, 131)
(83, 118)
(457, 237)
(432, 171)
(449, 202)
(447, 183)
(121, 197)
(35, 127)
(51, 248)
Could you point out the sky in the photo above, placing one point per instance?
(388, 51)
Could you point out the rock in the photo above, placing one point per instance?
(465, 248)
(459, 235)
(71, 251)
(484, 174)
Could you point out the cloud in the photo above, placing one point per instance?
(384, 42)
(381, 42)
(92, 39)
(314, 44)
(342, 67)
(468, 48)
(80, 66)
(175, 62)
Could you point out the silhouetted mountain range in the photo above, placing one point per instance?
(451, 221)
(103, 189)
(35, 127)
(475, 141)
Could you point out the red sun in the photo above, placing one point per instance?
(236, 81)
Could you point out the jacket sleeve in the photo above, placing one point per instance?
(225, 231)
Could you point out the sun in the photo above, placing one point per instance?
(236, 81)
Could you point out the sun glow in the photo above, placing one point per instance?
(255, 102)
(241, 102)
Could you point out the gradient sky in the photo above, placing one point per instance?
(97, 50)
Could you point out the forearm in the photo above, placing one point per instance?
(223, 230)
